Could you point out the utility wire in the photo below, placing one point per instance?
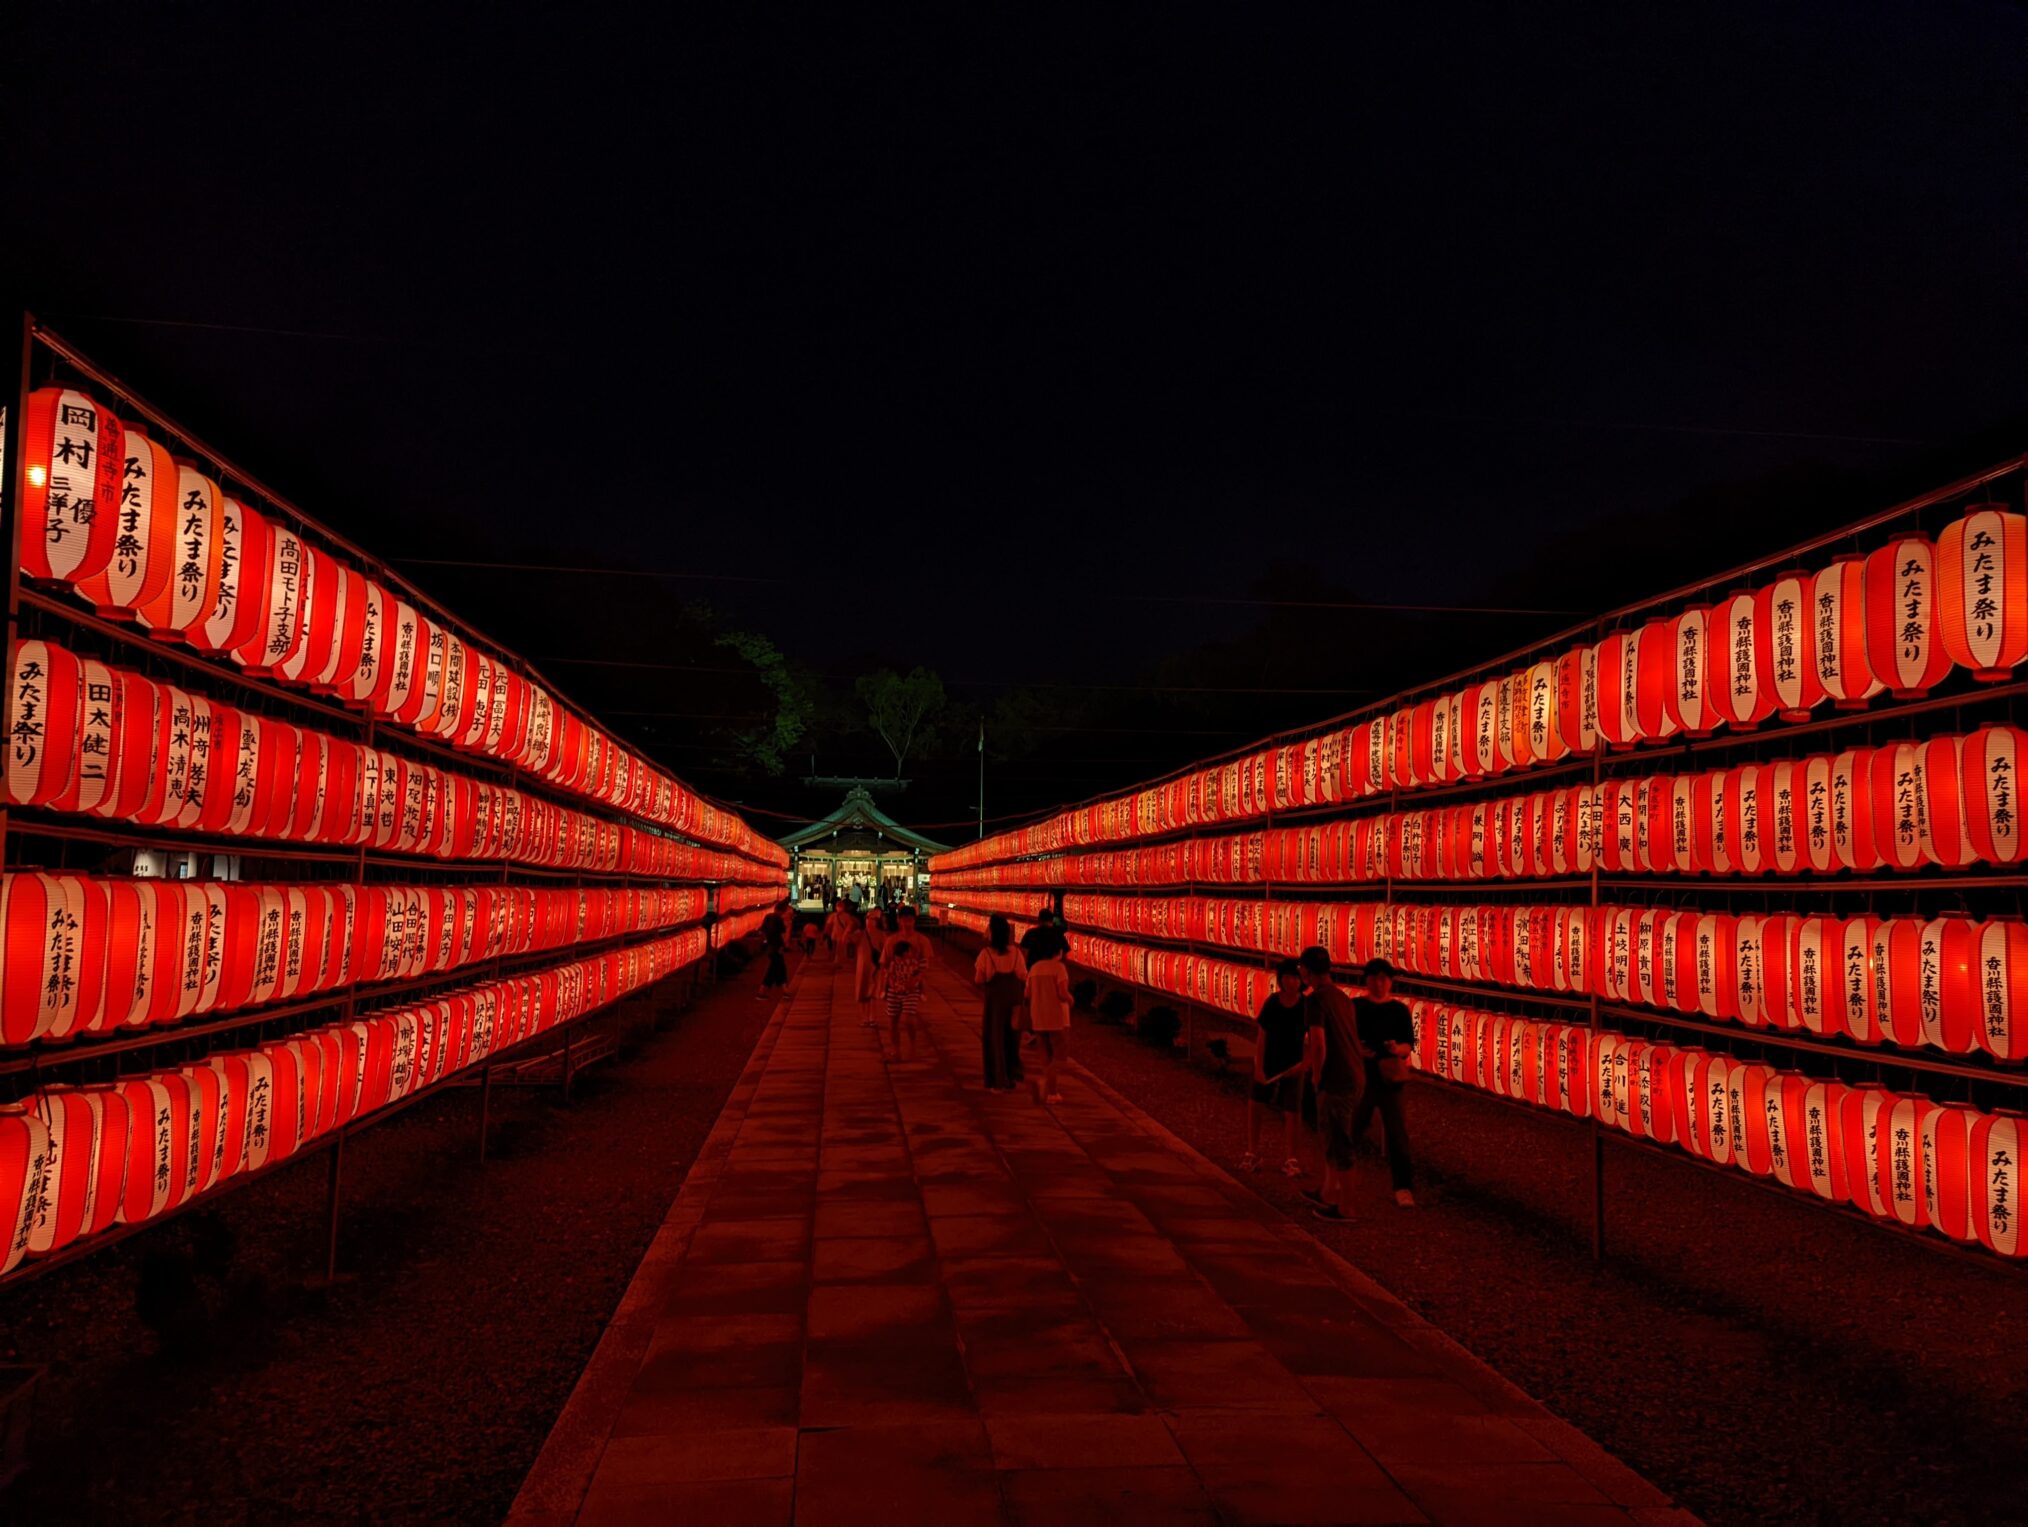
(587, 572)
(1348, 604)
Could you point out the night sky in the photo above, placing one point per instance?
(1002, 342)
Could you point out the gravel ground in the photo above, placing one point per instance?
(1764, 1361)
(421, 1386)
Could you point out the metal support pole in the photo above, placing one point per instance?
(1598, 1208)
(13, 493)
(485, 1107)
(331, 1209)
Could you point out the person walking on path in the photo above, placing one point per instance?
(1002, 974)
(1338, 1074)
(901, 974)
(1386, 1036)
(1038, 942)
(1282, 1055)
(845, 940)
(835, 927)
(867, 974)
(1049, 1018)
(774, 939)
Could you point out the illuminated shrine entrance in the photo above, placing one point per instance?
(861, 855)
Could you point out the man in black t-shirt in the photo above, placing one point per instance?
(1386, 1036)
(1281, 1054)
(1043, 940)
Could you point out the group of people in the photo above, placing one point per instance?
(856, 891)
(1350, 1051)
(1027, 999)
(1344, 1051)
(890, 952)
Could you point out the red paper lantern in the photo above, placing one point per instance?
(1994, 1156)
(236, 614)
(1862, 1128)
(1816, 1150)
(60, 1195)
(1654, 680)
(132, 745)
(109, 1169)
(96, 755)
(1898, 1158)
(1747, 822)
(1988, 763)
(1746, 691)
(1904, 644)
(1784, 846)
(1897, 979)
(1949, 990)
(1898, 800)
(1947, 1169)
(24, 1150)
(279, 634)
(144, 531)
(1693, 698)
(1942, 815)
(190, 557)
(1852, 832)
(1812, 781)
(1749, 992)
(75, 456)
(1577, 698)
(1838, 623)
(1617, 668)
(1786, 627)
(1545, 720)
(45, 708)
(2001, 980)
(1982, 591)
(342, 659)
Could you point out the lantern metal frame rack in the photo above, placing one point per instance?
(1959, 697)
(36, 838)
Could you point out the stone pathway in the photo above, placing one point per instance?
(887, 1295)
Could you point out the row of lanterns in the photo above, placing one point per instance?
(85, 955)
(1947, 1167)
(737, 898)
(1896, 622)
(1215, 983)
(76, 1161)
(1948, 983)
(106, 742)
(1946, 802)
(1900, 1157)
(146, 537)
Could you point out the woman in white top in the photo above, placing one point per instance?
(1002, 973)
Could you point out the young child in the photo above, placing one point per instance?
(1049, 1017)
(901, 967)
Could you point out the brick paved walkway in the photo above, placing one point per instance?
(887, 1295)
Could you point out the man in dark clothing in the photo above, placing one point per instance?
(1386, 1036)
(1043, 940)
(774, 939)
(1338, 1078)
(1282, 1057)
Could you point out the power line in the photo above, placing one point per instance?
(587, 572)
(228, 328)
(1349, 604)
